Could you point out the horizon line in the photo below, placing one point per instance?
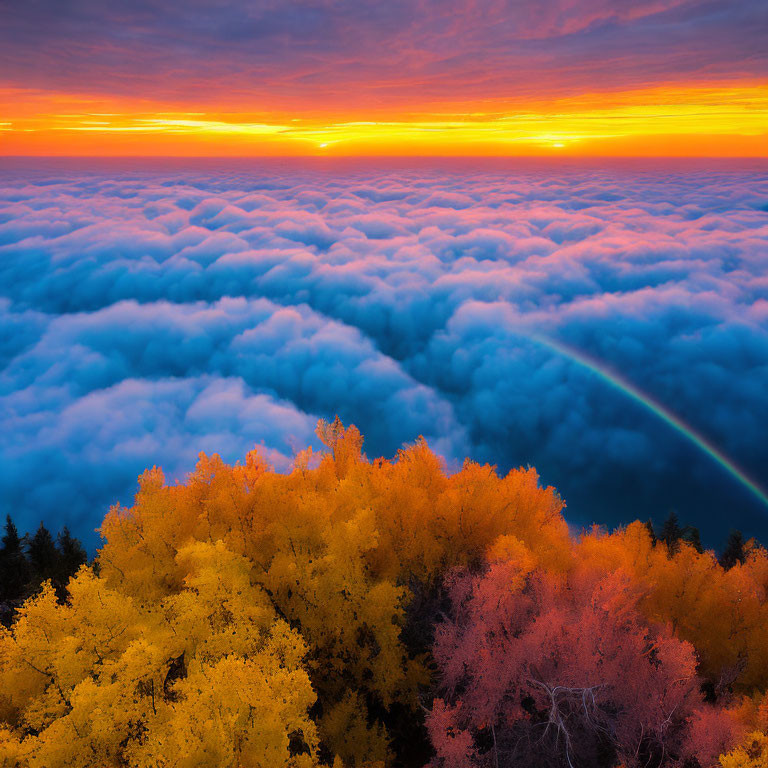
(316, 156)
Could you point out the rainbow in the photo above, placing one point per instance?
(628, 389)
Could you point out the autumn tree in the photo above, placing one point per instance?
(751, 751)
(723, 613)
(207, 676)
(546, 671)
(340, 545)
(246, 617)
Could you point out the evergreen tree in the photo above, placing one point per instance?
(71, 556)
(14, 570)
(671, 532)
(651, 531)
(43, 556)
(734, 551)
(11, 540)
(692, 536)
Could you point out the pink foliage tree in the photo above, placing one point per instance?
(553, 671)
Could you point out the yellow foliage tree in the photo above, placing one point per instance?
(331, 549)
(751, 753)
(186, 680)
(251, 618)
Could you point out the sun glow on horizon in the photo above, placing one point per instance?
(686, 121)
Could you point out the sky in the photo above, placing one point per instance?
(532, 231)
(402, 77)
(605, 324)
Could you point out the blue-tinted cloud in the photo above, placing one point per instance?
(149, 315)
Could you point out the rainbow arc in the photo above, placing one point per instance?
(625, 387)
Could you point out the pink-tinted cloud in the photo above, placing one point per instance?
(148, 314)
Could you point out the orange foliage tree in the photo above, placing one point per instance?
(724, 613)
(301, 579)
(251, 618)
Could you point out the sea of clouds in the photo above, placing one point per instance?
(148, 314)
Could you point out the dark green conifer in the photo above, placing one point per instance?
(692, 536)
(14, 570)
(43, 556)
(71, 556)
(671, 532)
(735, 550)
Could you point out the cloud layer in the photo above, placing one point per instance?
(148, 314)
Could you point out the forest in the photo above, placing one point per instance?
(360, 613)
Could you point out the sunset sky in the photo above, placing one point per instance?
(406, 77)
